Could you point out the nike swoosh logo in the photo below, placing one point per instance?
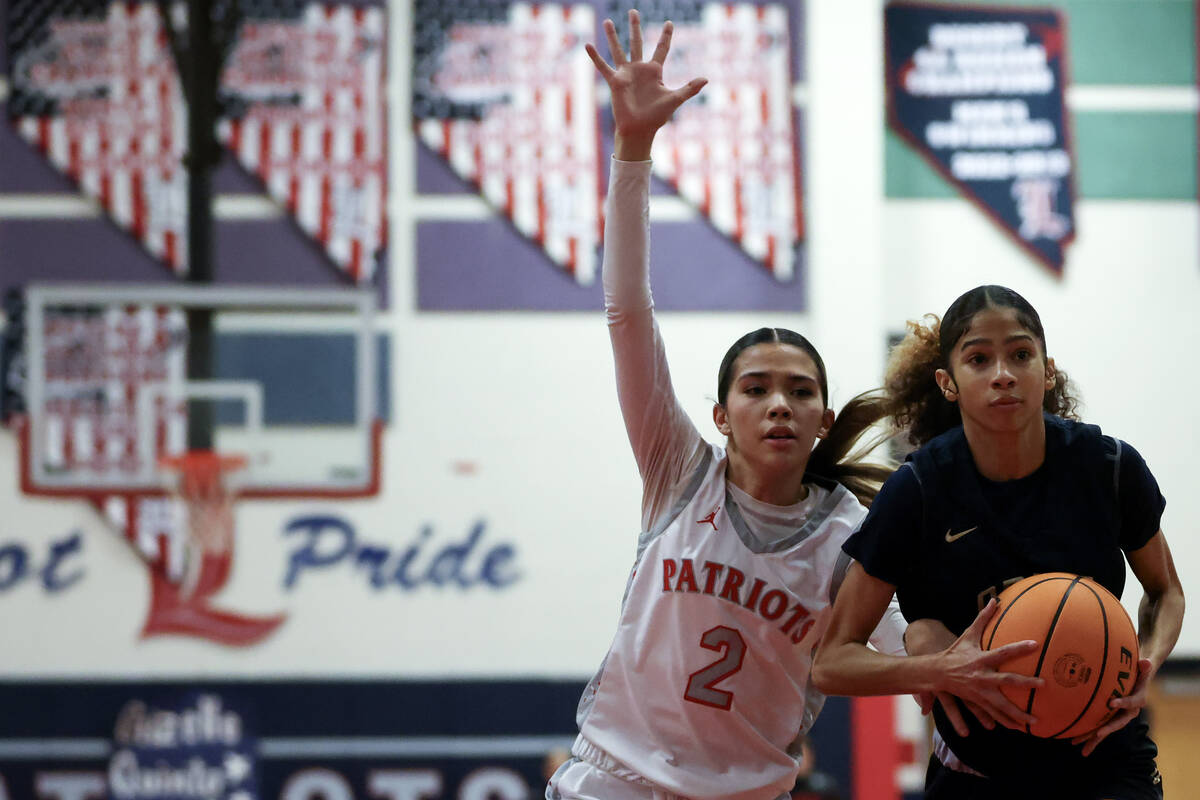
(955, 537)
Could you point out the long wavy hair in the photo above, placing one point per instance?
(917, 405)
(841, 455)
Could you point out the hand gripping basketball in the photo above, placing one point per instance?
(1126, 708)
(1087, 651)
(969, 673)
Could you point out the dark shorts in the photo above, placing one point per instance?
(1139, 780)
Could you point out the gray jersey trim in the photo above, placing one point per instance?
(840, 568)
(644, 539)
(815, 520)
(685, 497)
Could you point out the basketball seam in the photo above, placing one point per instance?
(1011, 603)
(1037, 673)
(1103, 664)
(1004, 613)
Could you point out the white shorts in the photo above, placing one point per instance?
(601, 777)
(592, 774)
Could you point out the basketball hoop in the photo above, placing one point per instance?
(203, 488)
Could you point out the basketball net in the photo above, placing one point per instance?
(204, 490)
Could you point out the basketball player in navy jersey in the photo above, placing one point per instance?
(705, 691)
(1005, 484)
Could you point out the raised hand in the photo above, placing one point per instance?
(969, 673)
(641, 102)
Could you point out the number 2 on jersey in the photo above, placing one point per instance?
(701, 687)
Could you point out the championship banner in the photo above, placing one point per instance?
(505, 93)
(99, 97)
(979, 93)
(731, 151)
(304, 111)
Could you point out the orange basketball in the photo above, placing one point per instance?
(1088, 651)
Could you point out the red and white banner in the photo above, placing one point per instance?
(314, 130)
(110, 115)
(732, 151)
(116, 122)
(533, 149)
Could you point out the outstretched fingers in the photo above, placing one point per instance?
(635, 35)
(998, 657)
(664, 43)
(690, 89)
(614, 44)
(606, 71)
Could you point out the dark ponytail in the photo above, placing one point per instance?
(837, 457)
(840, 456)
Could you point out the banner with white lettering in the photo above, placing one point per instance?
(310, 739)
(979, 93)
(182, 745)
(283, 740)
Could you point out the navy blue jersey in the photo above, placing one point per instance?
(949, 539)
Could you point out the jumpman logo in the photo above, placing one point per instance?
(712, 515)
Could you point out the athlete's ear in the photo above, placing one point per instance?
(721, 418)
(945, 382)
(826, 423)
(1051, 374)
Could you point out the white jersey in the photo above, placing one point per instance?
(705, 689)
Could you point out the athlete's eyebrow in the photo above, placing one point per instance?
(761, 374)
(984, 340)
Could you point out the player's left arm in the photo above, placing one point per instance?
(1160, 618)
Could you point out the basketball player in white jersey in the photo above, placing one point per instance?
(705, 691)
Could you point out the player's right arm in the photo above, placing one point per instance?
(846, 666)
(664, 440)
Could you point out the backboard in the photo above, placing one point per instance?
(295, 385)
